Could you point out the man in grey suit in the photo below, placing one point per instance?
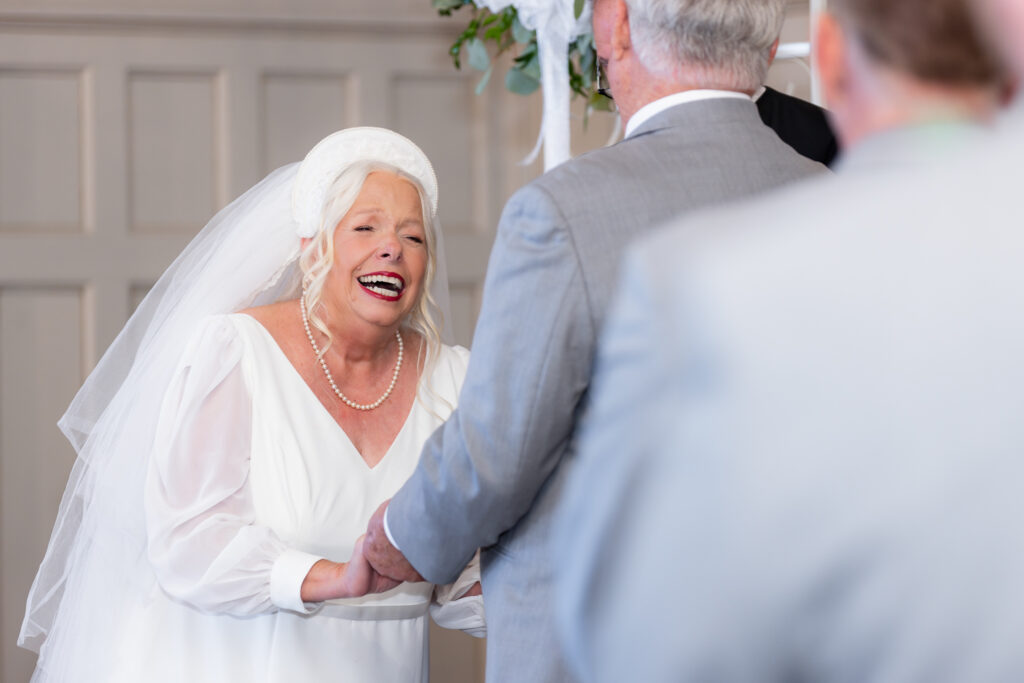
(803, 457)
(681, 73)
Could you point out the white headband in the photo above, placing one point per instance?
(336, 152)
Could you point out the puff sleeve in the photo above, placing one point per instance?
(205, 544)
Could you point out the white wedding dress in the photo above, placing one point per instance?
(252, 481)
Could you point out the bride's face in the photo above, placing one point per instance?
(380, 254)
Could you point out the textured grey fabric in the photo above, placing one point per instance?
(803, 456)
(493, 474)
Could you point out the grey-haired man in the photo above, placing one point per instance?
(682, 74)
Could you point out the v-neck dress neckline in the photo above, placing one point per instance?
(297, 379)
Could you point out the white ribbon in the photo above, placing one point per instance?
(556, 26)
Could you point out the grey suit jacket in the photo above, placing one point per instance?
(805, 452)
(491, 476)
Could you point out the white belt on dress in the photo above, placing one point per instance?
(339, 610)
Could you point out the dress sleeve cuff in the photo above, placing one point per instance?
(286, 579)
(465, 614)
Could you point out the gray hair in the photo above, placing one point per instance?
(317, 259)
(727, 43)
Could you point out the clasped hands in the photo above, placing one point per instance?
(388, 562)
(384, 558)
(375, 566)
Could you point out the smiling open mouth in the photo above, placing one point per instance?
(388, 286)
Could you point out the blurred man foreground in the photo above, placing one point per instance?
(803, 456)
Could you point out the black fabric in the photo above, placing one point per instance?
(801, 125)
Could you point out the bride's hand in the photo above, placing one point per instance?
(328, 580)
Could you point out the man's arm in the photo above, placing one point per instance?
(532, 353)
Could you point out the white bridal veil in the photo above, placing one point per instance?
(96, 562)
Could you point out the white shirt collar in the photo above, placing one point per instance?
(650, 109)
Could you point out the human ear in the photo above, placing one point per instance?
(830, 58)
(622, 41)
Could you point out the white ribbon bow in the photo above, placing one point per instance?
(557, 26)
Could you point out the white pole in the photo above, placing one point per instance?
(817, 7)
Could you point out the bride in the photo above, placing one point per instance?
(272, 390)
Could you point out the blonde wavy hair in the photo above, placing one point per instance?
(317, 259)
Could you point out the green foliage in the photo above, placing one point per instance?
(445, 7)
(489, 33)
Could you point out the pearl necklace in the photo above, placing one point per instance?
(327, 373)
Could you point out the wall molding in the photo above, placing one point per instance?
(202, 22)
(434, 26)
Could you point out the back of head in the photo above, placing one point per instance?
(933, 41)
(725, 43)
(1003, 22)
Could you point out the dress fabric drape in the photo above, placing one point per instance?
(252, 481)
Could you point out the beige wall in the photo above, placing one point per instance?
(120, 136)
(387, 11)
(124, 124)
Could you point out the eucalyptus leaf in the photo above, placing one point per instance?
(505, 31)
(521, 33)
(599, 102)
(587, 69)
(477, 55)
(521, 83)
(483, 81)
(528, 53)
(532, 67)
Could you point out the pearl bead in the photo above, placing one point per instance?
(327, 372)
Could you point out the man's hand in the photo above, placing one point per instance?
(384, 557)
(360, 577)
